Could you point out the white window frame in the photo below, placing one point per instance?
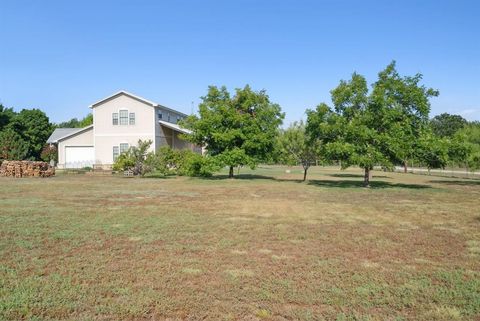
(131, 118)
(115, 119)
(115, 153)
(124, 118)
(123, 150)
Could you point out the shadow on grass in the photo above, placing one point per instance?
(239, 176)
(161, 176)
(458, 182)
(325, 183)
(356, 175)
(373, 184)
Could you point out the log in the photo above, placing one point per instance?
(20, 169)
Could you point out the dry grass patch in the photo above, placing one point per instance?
(264, 246)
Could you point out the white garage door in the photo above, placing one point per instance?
(79, 156)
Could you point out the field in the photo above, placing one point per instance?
(264, 246)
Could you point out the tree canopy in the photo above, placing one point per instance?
(446, 125)
(237, 130)
(75, 123)
(23, 134)
(376, 127)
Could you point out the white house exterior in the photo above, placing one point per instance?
(119, 121)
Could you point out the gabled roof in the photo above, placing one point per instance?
(175, 127)
(141, 99)
(59, 133)
(62, 133)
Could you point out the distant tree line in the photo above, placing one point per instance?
(76, 123)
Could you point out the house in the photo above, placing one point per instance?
(119, 121)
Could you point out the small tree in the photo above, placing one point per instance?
(295, 147)
(49, 153)
(134, 159)
(238, 130)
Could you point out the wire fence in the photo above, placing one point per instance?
(447, 172)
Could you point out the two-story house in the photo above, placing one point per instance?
(119, 121)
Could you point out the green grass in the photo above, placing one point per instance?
(264, 246)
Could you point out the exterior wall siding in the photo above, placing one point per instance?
(108, 135)
(82, 139)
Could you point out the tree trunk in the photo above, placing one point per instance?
(405, 165)
(305, 169)
(366, 178)
(230, 173)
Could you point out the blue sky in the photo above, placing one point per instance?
(61, 56)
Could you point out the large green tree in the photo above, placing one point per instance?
(295, 147)
(376, 127)
(12, 145)
(237, 130)
(6, 115)
(34, 127)
(446, 125)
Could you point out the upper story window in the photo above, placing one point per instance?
(160, 115)
(179, 118)
(168, 117)
(131, 119)
(115, 118)
(123, 117)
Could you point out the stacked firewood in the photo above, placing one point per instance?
(26, 169)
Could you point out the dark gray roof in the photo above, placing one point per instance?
(61, 132)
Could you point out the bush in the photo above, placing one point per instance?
(182, 162)
(136, 159)
(49, 152)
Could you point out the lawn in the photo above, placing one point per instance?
(264, 246)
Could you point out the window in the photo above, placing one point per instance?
(123, 117)
(123, 147)
(115, 118)
(168, 117)
(179, 118)
(131, 119)
(160, 115)
(115, 153)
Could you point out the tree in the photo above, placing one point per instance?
(75, 123)
(432, 151)
(446, 125)
(12, 145)
(467, 143)
(295, 147)
(379, 127)
(6, 114)
(34, 127)
(238, 130)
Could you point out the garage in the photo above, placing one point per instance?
(79, 156)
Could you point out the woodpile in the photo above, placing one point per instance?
(26, 169)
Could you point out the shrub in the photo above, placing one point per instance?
(182, 162)
(49, 152)
(136, 159)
